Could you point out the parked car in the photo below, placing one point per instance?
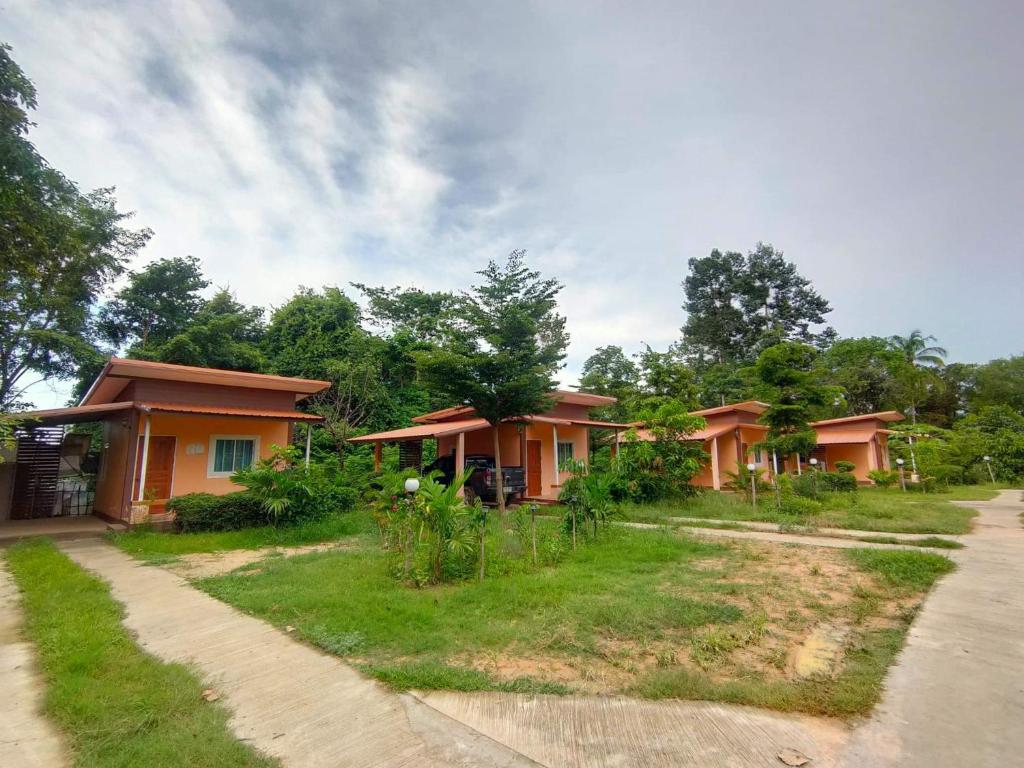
(483, 482)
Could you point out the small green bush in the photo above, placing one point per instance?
(837, 481)
(948, 474)
(884, 478)
(205, 512)
(845, 466)
(811, 485)
(799, 506)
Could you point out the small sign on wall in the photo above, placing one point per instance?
(194, 449)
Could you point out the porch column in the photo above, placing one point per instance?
(309, 442)
(798, 472)
(460, 459)
(554, 435)
(873, 454)
(378, 455)
(716, 478)
(615, 446)
(145, 460)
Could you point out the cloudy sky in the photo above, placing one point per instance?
(880, 145)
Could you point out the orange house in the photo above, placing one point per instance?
(539, 443)
(167, 430)
(729, 437)
(862, 440)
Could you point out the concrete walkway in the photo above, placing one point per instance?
(838, 533)
(77, 527)
(956, 694)
(27, 738)
(287, 699)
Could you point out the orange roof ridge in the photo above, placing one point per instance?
(879, 415)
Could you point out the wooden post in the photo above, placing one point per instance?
(533, 530)
(716, 478)
(378, 455)
(460, 459)
(145, 460)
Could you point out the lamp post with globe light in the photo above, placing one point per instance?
(903, 480)
(991, 474)
(752, 468)
(814, 474)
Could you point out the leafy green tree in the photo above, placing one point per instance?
(792, 386)
(663, 467)
(422, 315)
(224, 334)
(999, 382)
(665, 378)
(509, 343)
(950, 399)
(59, 249)
(868, 370)
(723, 383)
(736, 306)
(609, 372)
(158, 303)
(311, 331)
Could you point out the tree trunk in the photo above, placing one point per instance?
(499, 480)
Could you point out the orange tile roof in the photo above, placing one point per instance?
(747, 406)
(879, 416)
(836, 436)
(559, 396)
(421, 431)
(112, 378)
(227, 410)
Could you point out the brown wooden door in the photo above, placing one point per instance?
(159, 469)
(533, 459)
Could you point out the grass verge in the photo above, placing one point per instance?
(117, 706)
(868, 509)
(158, 546)
(930, 542)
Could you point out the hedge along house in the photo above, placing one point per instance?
(167, 430)
(729, 438)
(539, 443)
(860, 440)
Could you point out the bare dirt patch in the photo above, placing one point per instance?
(204, 564)
(786, 593)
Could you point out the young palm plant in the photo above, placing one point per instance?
(447, 520)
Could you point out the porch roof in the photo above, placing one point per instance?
(840, 436)
(83, 413)
(421, 431)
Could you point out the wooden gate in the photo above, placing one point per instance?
(35, 474)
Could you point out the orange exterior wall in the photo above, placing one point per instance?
(726, 449)
(190, 471)
(481, 441)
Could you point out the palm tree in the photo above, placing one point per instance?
(919, 350)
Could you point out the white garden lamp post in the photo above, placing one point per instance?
(752, 468)
(991, 474)
(903, 481)
(412, 484)
(814, 463)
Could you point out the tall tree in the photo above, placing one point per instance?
(423, 315)
(737, 306)
(918, 380)
(609, 372)
(868, 369)
(665, 378)
(158, 303)
(790, 383)
(509, 344)
(59, 249)
(918, 349)
(224, 334)
(999, 382)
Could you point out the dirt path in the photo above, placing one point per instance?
(27, 738)
(204, 564)
(838, 533)
(955, 697)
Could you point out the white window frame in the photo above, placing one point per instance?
(213, 452)
(572, 451)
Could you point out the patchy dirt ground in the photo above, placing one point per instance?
(802, 608)
(205, 564)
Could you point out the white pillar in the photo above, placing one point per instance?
(309, 442)
(873, 454)
(716, 477)
(145, 460)
(554, 436)
(798, 465)
(775, 463)
(460, 459)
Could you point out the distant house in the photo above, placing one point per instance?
(862, 440)
(730, 437)
(538, 443)
(166, 430)
(733, 432)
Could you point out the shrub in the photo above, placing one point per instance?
(291, 492)
(812, 485)
(884, 478)
(206, 512)
(845, 466)
(799, 506)
(837, 481)
(948, 474)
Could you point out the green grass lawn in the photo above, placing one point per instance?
(868, 509)
(157, 546)
(652, 613)
(117, 706)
